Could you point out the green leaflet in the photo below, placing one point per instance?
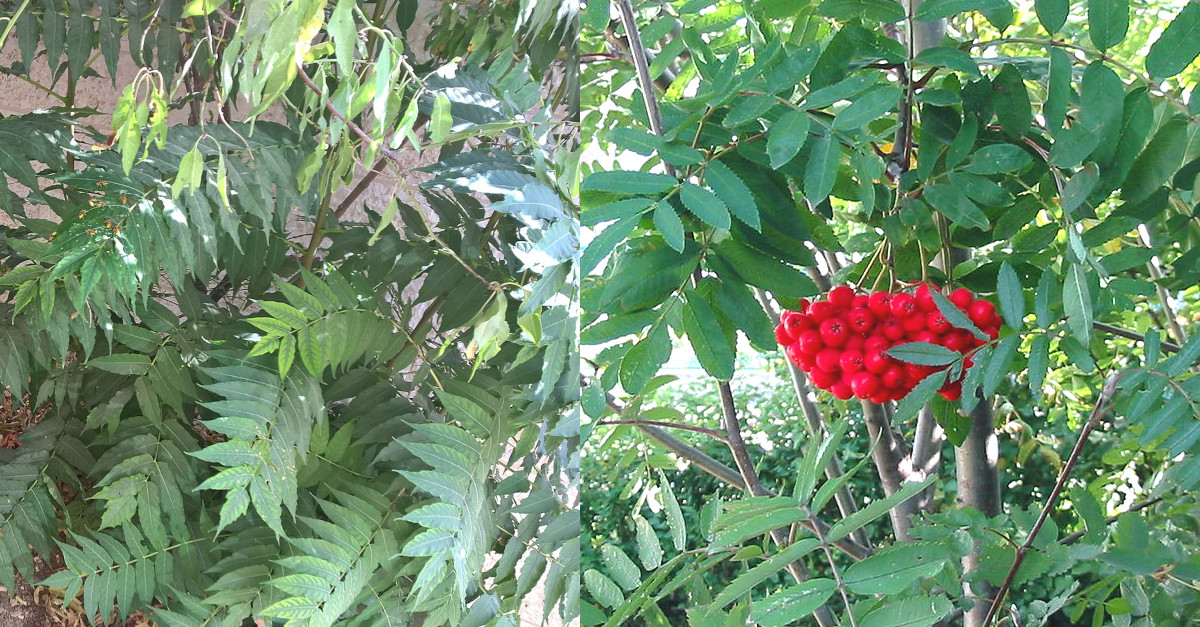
(1108, 22)
(1178, 45)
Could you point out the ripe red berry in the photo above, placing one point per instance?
(842, 390)
(877, 362)
(794, 354)
(864, 384)
(903, 305)
(958, 340)
(841, 297)
(981, 313)
(861, 320)
(951, 391)
(876, 343)
(937, 323)
(810, 342)
(804, 304)
(854, 341)
(894, 377)
(860, 301)
(851, 362)
(880, 304)
(926, 336)
(893, 329)
(834, 332)
(924, 298)
(914, 324)
(962, 298)
(823, 379)
(916, 373)
(782, 336)
(821, 311)
(796, 322)
(829, 360)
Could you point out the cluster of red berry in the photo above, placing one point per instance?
(842, 341)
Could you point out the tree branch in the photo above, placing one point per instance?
(754, 486)
(1093, 421)
(1074, 537)
(668, 425)
(713, 467)
(894, 465)
(392, 155)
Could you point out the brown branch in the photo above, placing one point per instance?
(1074, 537)
(753, 484)
(361, 187)
(891, 457)
(1093, 421)
(392, 155)
(668, 425)
(731, 477)
(1132, 335)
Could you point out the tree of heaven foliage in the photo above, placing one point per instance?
(253, 400)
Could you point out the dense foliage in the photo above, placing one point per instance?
(1043, 157)
(252, 404)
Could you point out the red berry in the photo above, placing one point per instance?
(957, 340)
(860, 301)
(937, 323)
(821, 311)
(903, 305)
(804, 305)
(823, 379)
(924, 298)
(928, 337)
(834, 332)
(841, 297)
(876, 343)
(981, 312)
(864, 384)
(794, 354)
(914, 324)
(829, 360)
(894, 377)
(893, 329)
(880, 304)
(807, 362)
(951, 391)
(796, 322)
(916, 373)
(962, 298)
(782, 336)
(842, 390)
(855, 341)
(877, 362)
(861, 320)
(851, 362)
(810, 342)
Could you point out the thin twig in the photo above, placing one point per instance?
(753, 484)
(713, 467)
(668, 425)
(1073, 538)
(1132, 335)
(641, 64)
(1093, 421)
(392, 155)
(361, 187)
